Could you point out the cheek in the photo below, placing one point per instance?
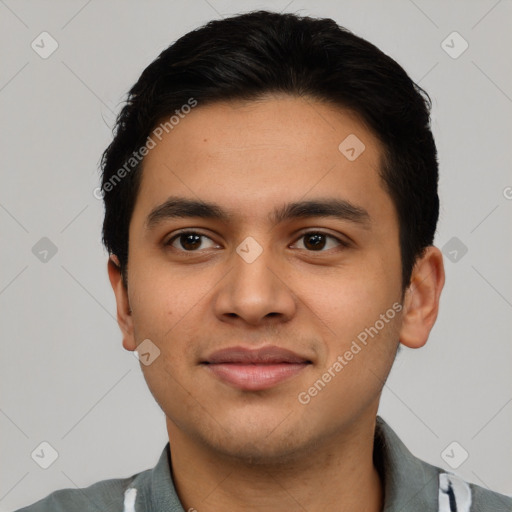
(159, 299)
(351, 298)
(153, 313)
(359, 316)
(162, 314)
(166, 310)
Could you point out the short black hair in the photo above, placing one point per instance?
(250, 55)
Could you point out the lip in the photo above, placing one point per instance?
(255, 369)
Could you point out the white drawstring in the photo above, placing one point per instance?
(454, 494)
(129, 499)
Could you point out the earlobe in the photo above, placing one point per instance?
(124, 312)
(421, 301)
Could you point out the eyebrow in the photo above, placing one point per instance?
(179, 207)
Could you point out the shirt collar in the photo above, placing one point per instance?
(409, 483)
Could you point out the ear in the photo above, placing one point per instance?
(124, 313)
(421, 301)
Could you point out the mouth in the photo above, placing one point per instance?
(255, 369)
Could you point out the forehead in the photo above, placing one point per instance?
(250, 156)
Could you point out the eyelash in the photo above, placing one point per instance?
(171, 240)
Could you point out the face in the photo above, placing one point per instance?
(276, 305)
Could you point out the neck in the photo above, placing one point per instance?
(338, 474)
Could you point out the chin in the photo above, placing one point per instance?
(260, 445)
(260, 452)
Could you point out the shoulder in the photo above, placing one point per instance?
(152, 489)
(107, 495)
(413, 484)
(455, 494)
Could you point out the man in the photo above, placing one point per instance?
(271, 203)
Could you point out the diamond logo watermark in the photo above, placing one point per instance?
(454, 45)
(44, 45)
(454, 455)
(454, 249)
(249, 250)
(351, 147)
(44, 250)
(146, 352)
(44, 455)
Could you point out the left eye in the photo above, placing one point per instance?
(313, 241)
(318, 241)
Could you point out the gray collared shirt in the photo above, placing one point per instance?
(409, 485)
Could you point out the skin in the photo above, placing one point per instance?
(264, 450)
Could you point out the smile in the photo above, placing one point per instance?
(254, 377)
(255, 369)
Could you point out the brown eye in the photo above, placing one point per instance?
(320, 242)
(189, 241)
(314, 241)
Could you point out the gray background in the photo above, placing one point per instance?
(66, 379)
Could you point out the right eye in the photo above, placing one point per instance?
(189, 241)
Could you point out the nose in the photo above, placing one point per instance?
(255, 292)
